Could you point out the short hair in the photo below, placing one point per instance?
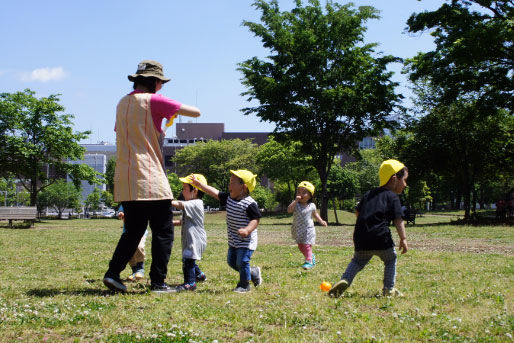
(200, 193)
(401, 173)
(149, 83)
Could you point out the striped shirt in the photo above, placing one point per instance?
(239, 214)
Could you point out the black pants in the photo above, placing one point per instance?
(138, 214)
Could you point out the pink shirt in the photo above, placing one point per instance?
(162, 108)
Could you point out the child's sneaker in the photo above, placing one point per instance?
(201, 278)
(391, 292)
(114, 283)
(185, 287)
(137, 275)
(162, 288)
(255, 274)
(313, 259)
(241, 289)
(307, 265)
(338, 288)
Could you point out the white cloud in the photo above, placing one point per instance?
(44, 74)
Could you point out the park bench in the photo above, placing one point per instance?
(410, 216)
(18, 213)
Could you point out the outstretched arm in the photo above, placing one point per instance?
(189, 111)
(177, 204)
(213, 192)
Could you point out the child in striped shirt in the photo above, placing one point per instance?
(243, 217)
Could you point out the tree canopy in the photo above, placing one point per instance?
(214, 159)
(34, 136)
(321, 84)
(60, 195)
(474, 48)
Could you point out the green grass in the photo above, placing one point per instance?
(457, 280)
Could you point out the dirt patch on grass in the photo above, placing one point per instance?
(343, 237)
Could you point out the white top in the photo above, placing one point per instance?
(194, 238)
(303, 230)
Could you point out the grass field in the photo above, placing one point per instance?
(458, 283)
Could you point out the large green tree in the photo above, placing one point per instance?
(474, 48)
(60, 195)
(33, 136)
(450, 142)
(214, 159)
(284, 163)
(321, 84)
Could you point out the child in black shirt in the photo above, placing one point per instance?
(372, 236)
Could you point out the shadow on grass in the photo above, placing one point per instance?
(289, 224)
(49, 292)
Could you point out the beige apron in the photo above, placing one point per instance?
(139, 173)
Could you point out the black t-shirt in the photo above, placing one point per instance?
(376, 210)
(252, 211)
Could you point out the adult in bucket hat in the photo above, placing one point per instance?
(140, 183)
(149, 68)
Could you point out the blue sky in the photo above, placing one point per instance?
(85, 50)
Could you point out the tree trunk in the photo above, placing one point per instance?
(324, 197)
(467, 203)
(335, 210)
(33, 192)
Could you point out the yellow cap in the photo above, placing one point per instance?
(247, 176)
(308, 186)
(387, 169)
(188, 179)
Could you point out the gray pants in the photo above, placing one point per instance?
(361, 258)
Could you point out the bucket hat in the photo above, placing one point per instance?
(308, 186)
(387, 169)
(247, 176)
(149, 68)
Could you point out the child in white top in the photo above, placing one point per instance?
(303, 230)
(194, 238)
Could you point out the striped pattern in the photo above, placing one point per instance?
(237, 219)
(139, 173)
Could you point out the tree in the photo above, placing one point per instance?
(175, 184)
(473, 54)
(34, 136)
(60, 196)
(321, 84)
(342, 183)
(284, 163)
(93, 200)
(107, 199)
(451, 142)
(214, 159)
(264, 197)
(109, 174)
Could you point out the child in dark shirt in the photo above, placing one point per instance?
(372, 236)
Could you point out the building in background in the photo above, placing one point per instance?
(97, 155)
(99, 163)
